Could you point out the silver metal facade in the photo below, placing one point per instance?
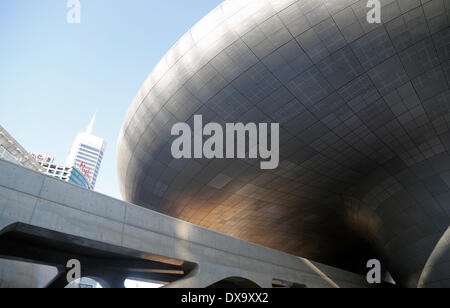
(364, 113)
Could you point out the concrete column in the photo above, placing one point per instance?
(59, 281)
(194, 280)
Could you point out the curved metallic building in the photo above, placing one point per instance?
(364, 113)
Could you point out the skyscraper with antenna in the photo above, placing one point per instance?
(87, 153)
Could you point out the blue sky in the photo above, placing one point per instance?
(55, 75)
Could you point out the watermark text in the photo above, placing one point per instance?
(240, 139)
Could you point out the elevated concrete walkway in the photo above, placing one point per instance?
(47, 221)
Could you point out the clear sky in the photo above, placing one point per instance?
(54, 76)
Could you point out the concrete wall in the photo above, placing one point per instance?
(35, 199)
(25, 275)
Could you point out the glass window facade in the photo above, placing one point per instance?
(78, 179)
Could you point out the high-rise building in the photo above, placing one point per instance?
(87, 154)
(69, 174)
(12, 151)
